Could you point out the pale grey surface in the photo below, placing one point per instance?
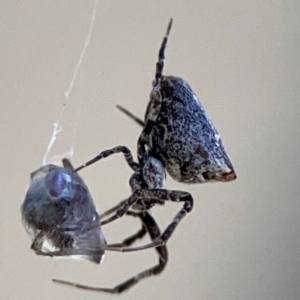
(242, 59)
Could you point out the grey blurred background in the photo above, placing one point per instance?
(241, 241)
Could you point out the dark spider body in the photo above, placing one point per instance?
(184, 138)
(57, 202)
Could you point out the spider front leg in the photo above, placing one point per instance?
(154, 232)
(127, 154)
(156, 100)
(148, 198)
(131, 239)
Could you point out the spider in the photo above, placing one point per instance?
(178, 136)
(59, 214)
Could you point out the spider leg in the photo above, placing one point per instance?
(67, 164)
(130, 115)
(113, 209)
(138, 235)
(154, 233)
(144, 136)
(123, 210)
(106, 153)
(161, 54)
(156, 100)
(157, 196)
(130, 240)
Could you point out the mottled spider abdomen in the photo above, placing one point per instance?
(58, 211)
(184, 138)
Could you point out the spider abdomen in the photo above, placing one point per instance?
(184, 138)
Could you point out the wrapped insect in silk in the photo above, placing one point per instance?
(60, 216)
